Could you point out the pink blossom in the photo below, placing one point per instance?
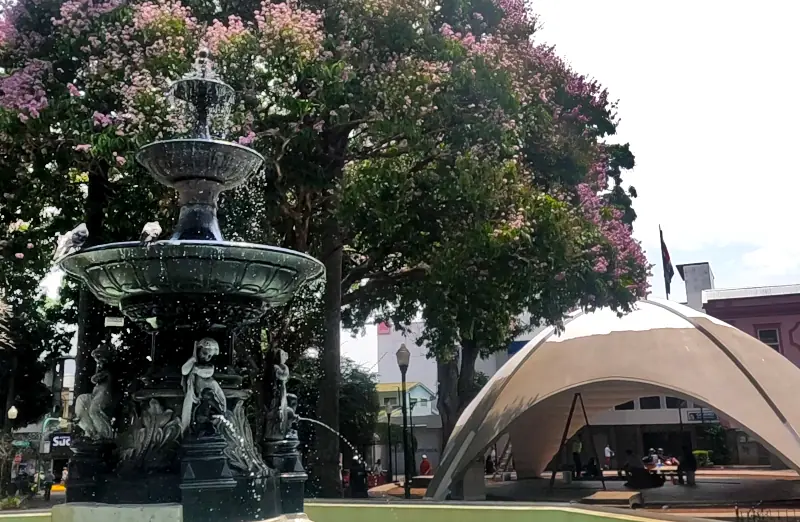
(119, 159)
(247, 139)
(219, 35)
(84, 147)
(29, 246)
(288, 28)
(101, 120)
(19, 255)
(23, 90)
(73, 91)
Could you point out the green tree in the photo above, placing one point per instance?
(358, 404)
(334, 95)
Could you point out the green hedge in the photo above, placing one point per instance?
(703, 458)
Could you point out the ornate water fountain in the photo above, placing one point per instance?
(189, 440)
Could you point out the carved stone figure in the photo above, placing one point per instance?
(278, 406)
(291, 416)
(92, 409)
(198, 375)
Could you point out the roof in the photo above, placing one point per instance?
(599, 355)
(753, 291)
(388, 387)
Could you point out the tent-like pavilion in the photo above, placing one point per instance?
(660, 347)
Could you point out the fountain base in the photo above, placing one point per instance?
(93, 512)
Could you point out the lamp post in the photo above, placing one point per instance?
(403, 359)
(47, 420)
(413, 402)
(389, 468)
(12, 413)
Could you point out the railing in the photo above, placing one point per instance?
(759, 513)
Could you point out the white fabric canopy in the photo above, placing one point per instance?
(660, 347)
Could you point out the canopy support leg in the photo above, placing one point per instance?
(562, 447)
(591, 440)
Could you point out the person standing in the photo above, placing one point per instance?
(609, 453)
(49, 478)
(425, 467)
(577, 448)
(687, 467)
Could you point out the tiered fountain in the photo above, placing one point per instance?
(189, 441)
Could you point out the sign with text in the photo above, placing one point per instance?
(115, 322)
(699, 415)
(21, 444)
(60, 440)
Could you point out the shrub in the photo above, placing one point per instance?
(703, 458)
(11, 503)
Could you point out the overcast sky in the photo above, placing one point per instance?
(707, 98)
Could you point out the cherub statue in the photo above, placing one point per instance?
(290, 427)
(278, 406)
(198, 376)
(91, 409)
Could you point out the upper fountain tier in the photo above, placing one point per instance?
(195, 278)
(200, 157)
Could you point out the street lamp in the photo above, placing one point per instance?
(403, 358)
(389, 468)
(413, 403)
(12, 413)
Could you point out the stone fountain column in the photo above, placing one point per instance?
(188, 440)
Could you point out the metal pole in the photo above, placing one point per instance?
(563, 438)
(591, 439)
(406, 467)
(46, 420)
(389, 445)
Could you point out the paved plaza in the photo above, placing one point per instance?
(744, 491)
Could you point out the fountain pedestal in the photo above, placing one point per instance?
(284, 457)
(207, 482)
(88, 466)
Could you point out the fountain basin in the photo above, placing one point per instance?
(216, 282)
(173, 161)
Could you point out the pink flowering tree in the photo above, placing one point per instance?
(412, 147)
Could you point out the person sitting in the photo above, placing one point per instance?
(592, 471)
(631, 463)
(687, 467)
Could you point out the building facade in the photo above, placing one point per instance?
(770, 314)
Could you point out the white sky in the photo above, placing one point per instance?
(707, 93)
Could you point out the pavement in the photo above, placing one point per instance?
(711, 491)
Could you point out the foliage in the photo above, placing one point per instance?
(703, 458)
(456, 166)
(716, 437)
(11, 503)
(358, 402)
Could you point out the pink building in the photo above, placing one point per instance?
(768, 313)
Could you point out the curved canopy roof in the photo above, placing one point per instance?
(660, 347)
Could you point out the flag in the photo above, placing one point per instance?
(666, 261)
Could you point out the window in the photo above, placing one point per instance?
(624, 406)
(650, 403)
(770, 337)
(673, 403)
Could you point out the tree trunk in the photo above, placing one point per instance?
(11, 393)
(90, 310)
(327, 442)
(447, 374)
(456, 387)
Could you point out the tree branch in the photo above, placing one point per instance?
(384, 280)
